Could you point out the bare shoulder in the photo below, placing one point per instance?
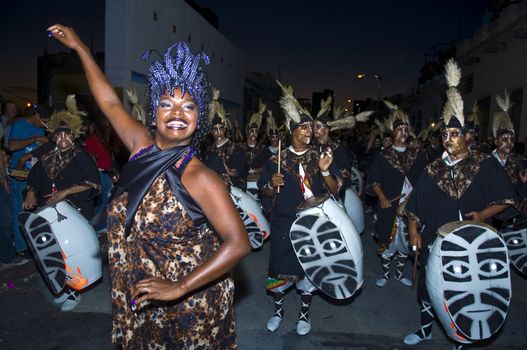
(200, 180)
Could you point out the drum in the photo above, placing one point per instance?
(252, 216)
(357, 182)
(252, 186)
(64, 244)
(468, 280)
(354, 208)
(328, 247)
(399, 243)
(515, 237)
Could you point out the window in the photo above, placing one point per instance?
(173, 28)
(155, 16)
(189, 39)
(202, 47)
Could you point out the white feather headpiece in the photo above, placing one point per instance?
(501, 121)
(455, 101)
(216, 109)
(395, 114)
(293, 110)
(348, 122)
(325, 106)
(138, 111)
(256, 118)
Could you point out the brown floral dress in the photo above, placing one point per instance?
(164, 243)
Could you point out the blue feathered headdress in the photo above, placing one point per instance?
(181, 70)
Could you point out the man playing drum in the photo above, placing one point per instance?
(298, 172)
(462, 184)
(65, 172)
(391, 177)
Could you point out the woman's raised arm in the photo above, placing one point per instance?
(133, 134)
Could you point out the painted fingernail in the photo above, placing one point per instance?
(49, 34)
(133, 305)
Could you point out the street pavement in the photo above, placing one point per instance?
(374, 319)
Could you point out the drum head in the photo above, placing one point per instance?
(312, 202)
(256, 236)
(324, 256)
(515, 238)
(476, 286)
(45, 248)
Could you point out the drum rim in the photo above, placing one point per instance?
(452, 226)
(316, 200)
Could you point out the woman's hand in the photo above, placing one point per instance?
(66, 36)
(158, 289)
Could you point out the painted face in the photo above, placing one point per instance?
(176, 119)
(324, 256)
(516, 240)
(470, 136)
(274, 139)
(218, 132)
(63, 140)
(454, 142)
(476, 280)
(321, 131)
(387, 141)
(505, 143)
(252, 134)
(303, 133)
(400, 135)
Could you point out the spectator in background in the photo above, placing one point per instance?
(8, 256)
(26, 135)
(8, 115)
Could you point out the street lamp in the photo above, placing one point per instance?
(378, 77)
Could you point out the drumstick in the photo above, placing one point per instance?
(397, 198)
(279, 155)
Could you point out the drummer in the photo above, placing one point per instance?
(252, 148)
(302, 174)
(515, 165)
(225, 157)
(65, 172)
(391, 176)
(462, 184)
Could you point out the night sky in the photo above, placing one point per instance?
(311, 45)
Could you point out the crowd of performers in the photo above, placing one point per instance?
(173, 240)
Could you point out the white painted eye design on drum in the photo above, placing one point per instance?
(516, 240)
(255, 235)
(324, 256)
(476, 280)
(45, 248)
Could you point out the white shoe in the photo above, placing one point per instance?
(406, 281)
(381, 282)
(61, 298)
(303, 327)
(71, 302)
(414, 338)
(274, 323)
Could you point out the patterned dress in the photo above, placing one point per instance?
(164, 243)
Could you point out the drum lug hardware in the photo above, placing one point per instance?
(60, 216)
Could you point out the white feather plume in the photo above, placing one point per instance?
(290, 105)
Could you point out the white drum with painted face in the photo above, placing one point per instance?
(515, 237)
(468, 280)
(355, 209)
(357, 181)
(64, 245)
(252, 216)
(328, 247)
